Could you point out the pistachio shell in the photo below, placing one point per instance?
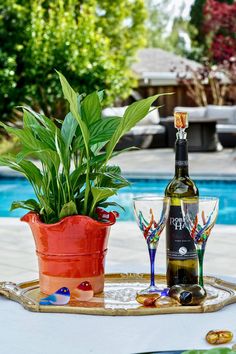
(219, 337)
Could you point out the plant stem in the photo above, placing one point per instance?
(87, 188)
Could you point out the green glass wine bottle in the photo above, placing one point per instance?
(182, 264)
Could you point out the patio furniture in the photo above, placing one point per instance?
(227, 134)
(210, 127)
(143, 133)
(202, 134)
(226, 130)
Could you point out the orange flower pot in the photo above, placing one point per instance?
(70, 251)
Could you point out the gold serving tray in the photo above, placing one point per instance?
(118, 298)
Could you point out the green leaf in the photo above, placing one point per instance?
(45, 121)
(22, 154)
(49, 158)
(96, 148)
(38, 130)
(68, 129)
(29, 204)
(32, 172)
(27, 138)
(100, 131)
(68, 209)
(113, 169)
(63, 153)
(72, 98)
(133, 114)
(107, 204)
(101, 94)
(91, 108)
(76, 176)
(116, 180)
(100, 193)
(211, 351)
(103, 130)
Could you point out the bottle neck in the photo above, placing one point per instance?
(181, 158)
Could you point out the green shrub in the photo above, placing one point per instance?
(92, 42)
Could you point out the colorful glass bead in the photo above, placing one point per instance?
(219, 337)
(181, 120)
(165, 292)
(166, 301)
(59, 298)
(83, 292)
(147, 299)
(188, 295)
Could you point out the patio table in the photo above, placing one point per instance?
(44, 333)
(202, 134)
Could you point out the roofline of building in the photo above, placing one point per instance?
(149, 78)
(158, 79)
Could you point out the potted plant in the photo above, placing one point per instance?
(72, 182)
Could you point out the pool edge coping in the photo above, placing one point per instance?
(7, 172)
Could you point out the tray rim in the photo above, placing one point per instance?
(18, 293)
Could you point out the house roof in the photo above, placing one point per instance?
(160, 66)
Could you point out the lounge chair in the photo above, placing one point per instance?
(143, 133)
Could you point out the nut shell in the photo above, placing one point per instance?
(219, 337)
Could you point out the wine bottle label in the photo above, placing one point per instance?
(180, 246)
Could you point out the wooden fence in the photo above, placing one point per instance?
(179, 98)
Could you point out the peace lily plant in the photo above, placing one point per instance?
(73, 177)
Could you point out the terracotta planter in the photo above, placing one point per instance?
(70, 251)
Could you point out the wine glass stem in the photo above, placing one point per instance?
(200, 253)
(152, 254)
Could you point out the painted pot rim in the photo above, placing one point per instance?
(33, 217)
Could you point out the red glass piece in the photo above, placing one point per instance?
(85, 286)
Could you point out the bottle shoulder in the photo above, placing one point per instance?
(182, 187)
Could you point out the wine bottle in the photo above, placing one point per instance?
(182, 264)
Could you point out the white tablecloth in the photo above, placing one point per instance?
(23, 332)
(40, 333)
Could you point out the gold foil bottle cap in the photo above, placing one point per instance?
(181, 120)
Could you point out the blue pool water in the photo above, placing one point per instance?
(19, 189)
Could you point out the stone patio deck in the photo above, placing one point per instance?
(127, 249)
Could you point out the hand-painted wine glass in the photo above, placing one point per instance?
(151, 214)
(200, 217)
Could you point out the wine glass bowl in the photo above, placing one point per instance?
(151, 215)
(200, 216)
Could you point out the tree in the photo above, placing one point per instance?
(157, 22)
(93, 42)
(220, 28)
(198, 34)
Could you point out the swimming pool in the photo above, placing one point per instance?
(19, 189)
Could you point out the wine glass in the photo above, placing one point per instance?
(151, 214)
(200, 217)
